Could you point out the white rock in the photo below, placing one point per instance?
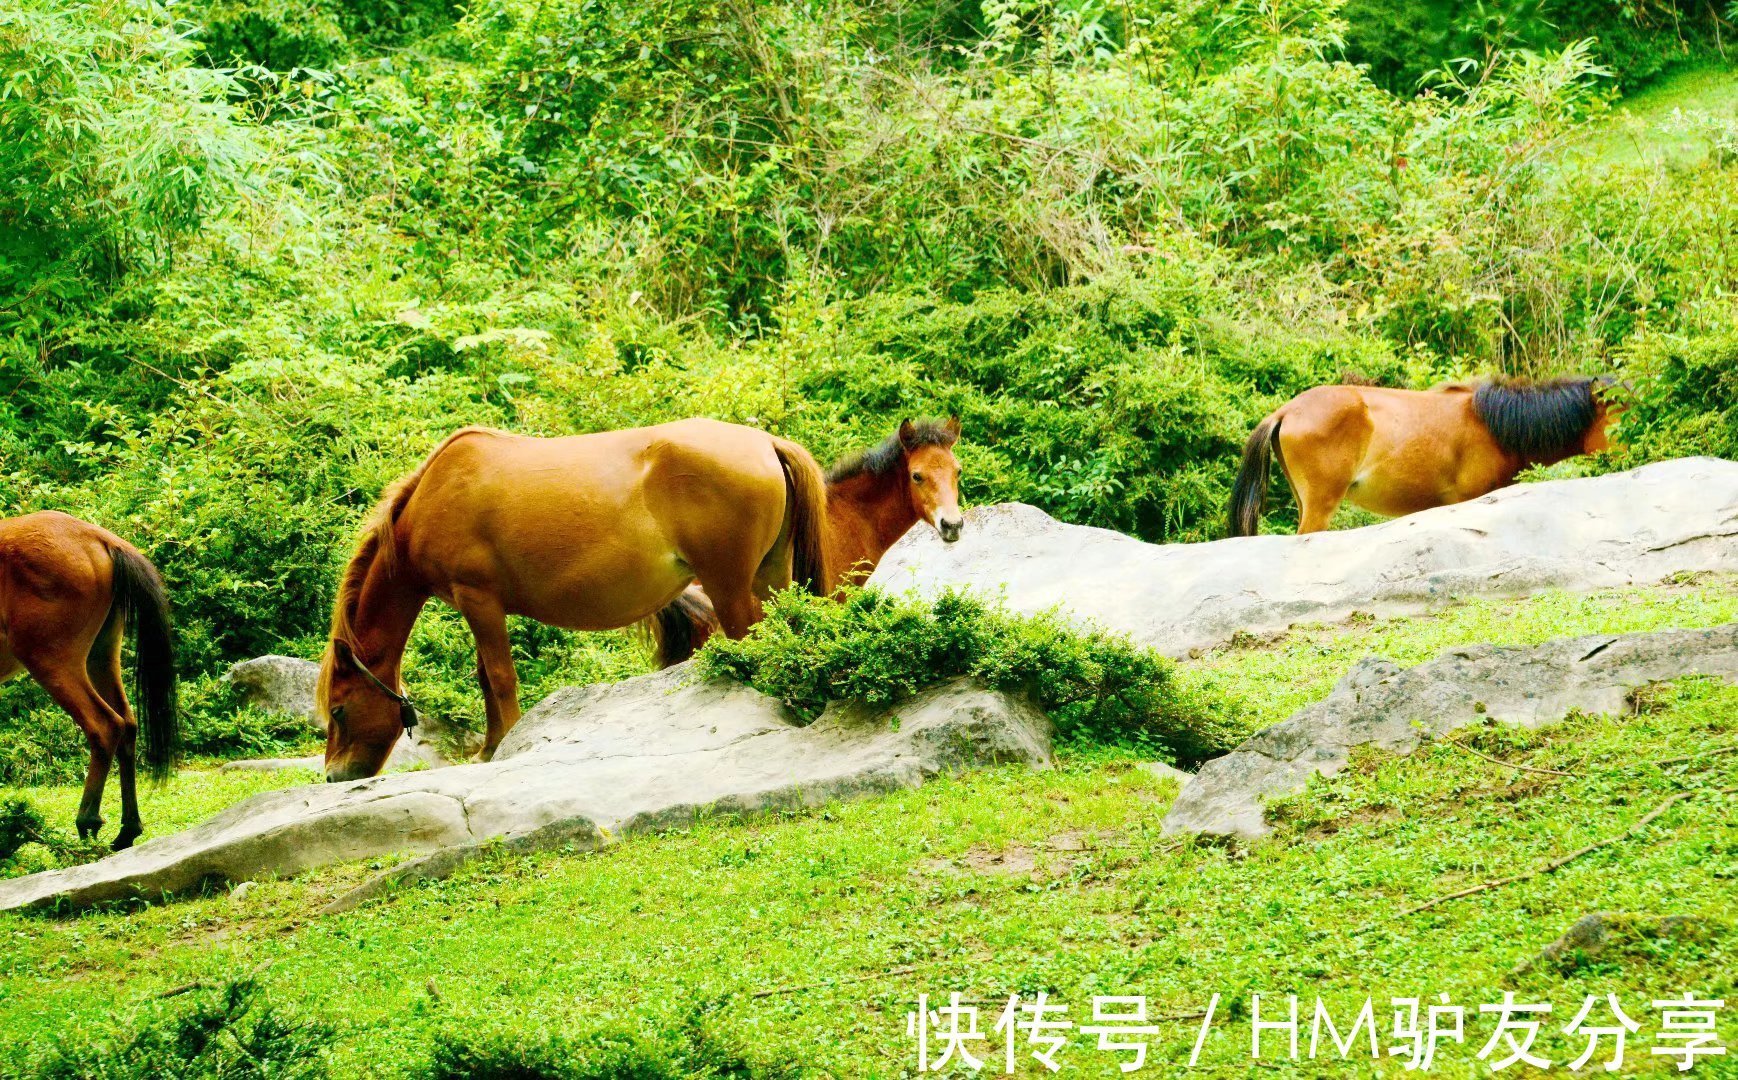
(1597, 532)
(594, 764)
(1378, 704)
(278, 684)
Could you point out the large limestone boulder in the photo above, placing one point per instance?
(1378, 704)
(278, 684)
(1626, 528)
(590, 764)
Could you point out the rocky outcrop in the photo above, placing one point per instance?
(587, 765)
(1378, 704)
(278, 684)
(1626, 528)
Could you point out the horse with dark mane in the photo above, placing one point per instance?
(69, 593)
(874, 497)
(587, 532)
(1397, 452)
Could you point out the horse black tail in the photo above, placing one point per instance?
(685, 624)
(1249, 495)
(143, 605)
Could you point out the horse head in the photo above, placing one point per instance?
(933, 474)
(364, 716)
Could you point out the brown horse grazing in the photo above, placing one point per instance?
(69, 591)
(587, 532)
(1400, 451)
(873, 498)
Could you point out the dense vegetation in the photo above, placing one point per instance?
(255, 259)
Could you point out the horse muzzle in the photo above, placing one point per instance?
(949, 528)
(338, 774)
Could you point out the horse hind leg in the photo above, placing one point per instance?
(1321, 464)
(736, 596)
(68, 683)
(103, 667)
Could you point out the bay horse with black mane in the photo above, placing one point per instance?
(69, 592)
(874, 497)
(1398, 452)
(585, 532)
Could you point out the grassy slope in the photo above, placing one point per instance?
(1005, 880)
(1639, 129)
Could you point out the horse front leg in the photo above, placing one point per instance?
(495, 672)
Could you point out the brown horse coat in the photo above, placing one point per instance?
(69, 592)
(1397, 452)
(874, 497)
(586, 532)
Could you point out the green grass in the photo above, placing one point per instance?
(1271, 681)
(1003, 881)
(1641, 129)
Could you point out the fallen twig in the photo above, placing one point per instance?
(1505, 764)
(1562, 861)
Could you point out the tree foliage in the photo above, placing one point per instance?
(255, 260)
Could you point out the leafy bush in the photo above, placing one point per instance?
(1403, 41)
(879, 649)
(20, 824)
(224, 1033)
(115, 148)
(1684, 395)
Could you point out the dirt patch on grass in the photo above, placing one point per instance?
(1055, 857)
(1364, 815)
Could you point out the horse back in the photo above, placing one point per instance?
(619, 516)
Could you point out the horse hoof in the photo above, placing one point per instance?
(123, 841)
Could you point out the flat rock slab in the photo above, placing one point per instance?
(1626, 528)
(600, 761)
(1381, 705)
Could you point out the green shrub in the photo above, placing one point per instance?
(20, 824)
(115, 149)
(1403, 40)
(878, 649)
(1684, 394)
(223, 1033)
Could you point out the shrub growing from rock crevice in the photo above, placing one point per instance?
(1098, 687)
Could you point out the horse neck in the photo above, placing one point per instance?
(386, 611)
(866, 515)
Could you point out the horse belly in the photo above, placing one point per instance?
(610, 585)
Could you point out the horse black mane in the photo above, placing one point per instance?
(1538, 420)
(884, 457)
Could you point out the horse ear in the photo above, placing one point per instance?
(342, 652)
(908, 434)
(952, 427)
